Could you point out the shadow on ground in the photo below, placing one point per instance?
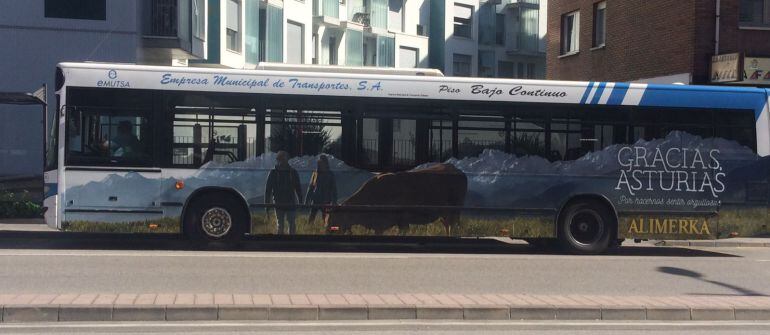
(61, 240)
(682, 272)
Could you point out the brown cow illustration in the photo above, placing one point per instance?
(401, 199)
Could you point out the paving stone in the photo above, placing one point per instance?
(386, 312)
(439, 312)
(578, 313)
(668, 313)
(293, 312)
(339, 312)
(85, 313)
(533, 313)
(30, 313)
(191, 312)
(624, 313)
(243, 312)
(138, 313)
(752, 313)
(712, 313)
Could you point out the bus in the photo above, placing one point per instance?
(220, 154)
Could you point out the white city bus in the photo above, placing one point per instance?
(217, 154)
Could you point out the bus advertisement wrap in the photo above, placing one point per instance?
(685, 176)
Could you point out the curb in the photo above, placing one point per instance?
(212, 312)
(712, 244)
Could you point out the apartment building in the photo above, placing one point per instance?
(724, 42)
(385, 33)
(35, 36)
(495, 38)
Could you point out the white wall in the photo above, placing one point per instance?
(460, 45)
(32, 46)
(231, 58)
(300, 12)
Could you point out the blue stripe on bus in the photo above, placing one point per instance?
(598, 94)
(587, 92)
(618, 93)
(705, 97)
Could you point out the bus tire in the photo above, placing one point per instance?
(215, 218)
(586, 227)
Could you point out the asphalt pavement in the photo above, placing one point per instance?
(54, 276)
(55, 263)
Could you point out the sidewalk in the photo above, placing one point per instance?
(209, 306)
(748, 242)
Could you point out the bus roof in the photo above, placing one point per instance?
(348, 69)
(301, 80)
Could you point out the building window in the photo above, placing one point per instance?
(354, 48)
(486, 63)
(570, 29)
(463, 20)
(199, 19)
(505, 69)
(500, 29)
(333, 50)
(234, 25)
(295, 43)
(755, 13)
(461, 65)
(408, 57)
(76, 9)
(386, 51)
(600, 24)
(531, 71)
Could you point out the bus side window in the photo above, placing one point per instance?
(99, 136)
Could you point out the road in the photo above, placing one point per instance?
(397, 328)
(55, 263)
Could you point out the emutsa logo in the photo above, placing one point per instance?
(113, 81)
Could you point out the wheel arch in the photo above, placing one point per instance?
(203, 191)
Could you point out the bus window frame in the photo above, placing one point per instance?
(148, 115)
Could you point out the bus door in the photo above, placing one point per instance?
(395, 138)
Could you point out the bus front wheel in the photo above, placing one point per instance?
(585, 228)
(215, 218)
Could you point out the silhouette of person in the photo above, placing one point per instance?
(283, 189)
(322, 189)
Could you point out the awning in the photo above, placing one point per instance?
(21, 98)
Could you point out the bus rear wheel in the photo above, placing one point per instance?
(585, 228)
(215, 218)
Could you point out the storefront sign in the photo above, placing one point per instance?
(756, 71)
(726, 68)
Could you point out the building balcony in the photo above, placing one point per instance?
(505, 4)
(173, 29)
(326, 12)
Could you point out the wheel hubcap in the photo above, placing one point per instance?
(216, 222)
(586, 227)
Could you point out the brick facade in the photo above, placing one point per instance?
(649, 38)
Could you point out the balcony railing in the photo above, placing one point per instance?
(360, 15)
